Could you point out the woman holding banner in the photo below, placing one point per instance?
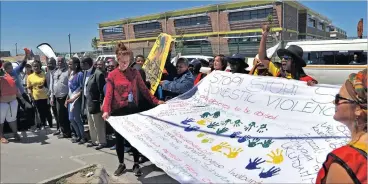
(348, 164)
(123, 88)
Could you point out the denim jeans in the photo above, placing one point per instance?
(75, 118)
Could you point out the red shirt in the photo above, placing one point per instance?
(118, 86)
(8, 86)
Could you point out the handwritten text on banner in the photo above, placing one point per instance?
(235, 128)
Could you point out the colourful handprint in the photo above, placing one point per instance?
(233, 153)
(202, 122)
(187, 121)
(201, 135)
(253, 143)
(218, 147)
(226, 122)
(205, 115)
(243, 139)
(277, 157)
(237, 123)
(216, 114)
(271, 172)
(222, 130)
(207, 140)
(191, 128)
(253, 164)
(213, 125)
(235, 134)
(267, 143)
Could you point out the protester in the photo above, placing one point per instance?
(74, 101)
(139, 60)
(123, 87)
(183, 82)
(195, 67)
(28, 71)
(8, 102)
(112, 64)
(60, 90)
(348, 164)
(237, 64)
(88, 69)
(95, 96)
(220, 63)
(258, 68)
(36, 84)
(292, 61)
(51, 68)
(210, 64)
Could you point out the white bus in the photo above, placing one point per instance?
(331, 61)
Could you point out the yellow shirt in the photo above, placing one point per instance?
(36, 83)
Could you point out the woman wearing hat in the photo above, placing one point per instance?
(348, 164)
(292, 62)
(238, 64)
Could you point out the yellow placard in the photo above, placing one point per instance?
(156, 59)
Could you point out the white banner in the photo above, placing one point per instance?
(235, 128)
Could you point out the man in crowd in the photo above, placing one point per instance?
(51, 68)
(111, 65)
(60, 90)
(88, 69)
(182, 83)
(139, 60)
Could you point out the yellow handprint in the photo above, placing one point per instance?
(220, 146)
(277, 157)
(233, 152)
(201, 135)
(203, 121)
(207, 140)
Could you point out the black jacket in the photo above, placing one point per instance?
(95, 92)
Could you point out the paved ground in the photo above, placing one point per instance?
(40, 156)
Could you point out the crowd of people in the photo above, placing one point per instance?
(79, 91)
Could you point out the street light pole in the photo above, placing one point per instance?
(16, 49)
(70, 47)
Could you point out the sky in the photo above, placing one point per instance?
(30, 23)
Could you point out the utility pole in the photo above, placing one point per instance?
(16, 49)
(70, 47)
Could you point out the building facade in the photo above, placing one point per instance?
(219, 29)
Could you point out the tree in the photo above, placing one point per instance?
(94, 43)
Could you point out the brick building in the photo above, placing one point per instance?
(224, 28)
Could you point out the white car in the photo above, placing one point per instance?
(191, 57)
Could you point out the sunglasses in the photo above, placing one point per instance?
(338, 98)
(286, 57)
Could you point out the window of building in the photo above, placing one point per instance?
(112, 30)
(311, 23)
(250, 14)
(193, 21)
(147, 26)
(321, 26)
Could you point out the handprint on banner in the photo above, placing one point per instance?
(226, 122)
(243, 139)
(263, 126)
(187, 121)
(253, 164)
(218, 147)
(222, 130)
(191, 128)
(235, 134)
(271, 172)
(253, 143)
(250, 126)
(216, 114)
(202, 122)
(206, 114)
(237, 123)
(233, 153)
(213, 125)
(267, 143)
(207, 140)
(201, 135)
(277, 157)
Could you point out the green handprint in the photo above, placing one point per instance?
(251, 125)
(237, 123)
(226, 122)
(222, 130)
(216, 114)
(253, 143)
(263, 126)
(213, 125)
(267, 143)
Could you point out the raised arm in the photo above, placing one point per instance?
(262, 54)
(179, 86)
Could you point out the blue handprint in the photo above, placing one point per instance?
(253, 165)
(243, 139)
(187, 121)
(191, 128)
(271, 172)
(235, 134)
